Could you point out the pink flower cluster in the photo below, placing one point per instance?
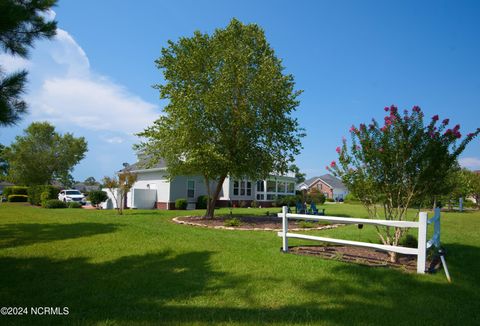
(416, 108)
(454, 132)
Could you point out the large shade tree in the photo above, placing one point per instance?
(229, 110)
(21, 23)
(389, 166)
(42, 155)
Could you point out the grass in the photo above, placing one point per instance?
(142, 269)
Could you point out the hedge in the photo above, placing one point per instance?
(36, 197)
(202, 202)
(17, 198)
(54, 203)
(181, 203)
(74, 204)
(15, 190)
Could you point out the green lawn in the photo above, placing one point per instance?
(141, 268)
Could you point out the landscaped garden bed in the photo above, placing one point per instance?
(246, 222)
(364, 256)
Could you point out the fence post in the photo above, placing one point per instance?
(285, 228)
(422, 243)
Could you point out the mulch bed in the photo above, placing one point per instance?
(266, 223)
(364, 256)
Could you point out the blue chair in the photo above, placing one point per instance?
(315, 211)
(300, 208)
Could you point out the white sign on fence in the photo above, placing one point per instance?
(421, 225)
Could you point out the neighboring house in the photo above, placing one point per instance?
(82, 187)
(154, 181)
(3, 185)
(330, 186)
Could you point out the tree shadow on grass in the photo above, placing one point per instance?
(22, 234)
(167, 288)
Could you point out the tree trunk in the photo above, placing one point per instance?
(213, 200)
(393, 256)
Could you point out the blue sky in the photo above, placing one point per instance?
(351, 58)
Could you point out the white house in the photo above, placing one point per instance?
(154, 190)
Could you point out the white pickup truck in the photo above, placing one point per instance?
(70, 195)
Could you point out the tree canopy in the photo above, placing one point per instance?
(42, 155)
(21, 23)
(229, 108)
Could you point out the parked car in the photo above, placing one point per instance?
(70, 195)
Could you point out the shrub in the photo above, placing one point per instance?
(74, 204)
(54, 203)
(15, 190)
(316, 197)
(278, 202)
(181, 203)
(254, 204)
(44, 196)
(17, 198)
(35, 193)
(469, 204)
(232, 222)
(330, 200)
(97, 196)
(202, 202)
(243, 204)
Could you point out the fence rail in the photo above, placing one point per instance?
(421, 225)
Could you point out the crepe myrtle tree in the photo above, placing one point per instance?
(119, 187)
(229, 109)
(389, 165)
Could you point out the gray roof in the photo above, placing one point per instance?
(142, 165)
(81, 186)
(327, 178)
(332, 181)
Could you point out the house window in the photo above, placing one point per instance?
(291, 187)
(235, 188)
(260, 196)
(281, 186)
(271, 197)
(260, 186)
(249, 188)
(271, 186)
(191, 189)
(242, 188)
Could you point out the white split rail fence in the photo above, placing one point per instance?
(421, 225)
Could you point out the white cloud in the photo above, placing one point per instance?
(92, 104)
(13, 63)
(72, 94)
(470, 162)
(65, 51)
(113, 140)
(65, 90)
(49, 14)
